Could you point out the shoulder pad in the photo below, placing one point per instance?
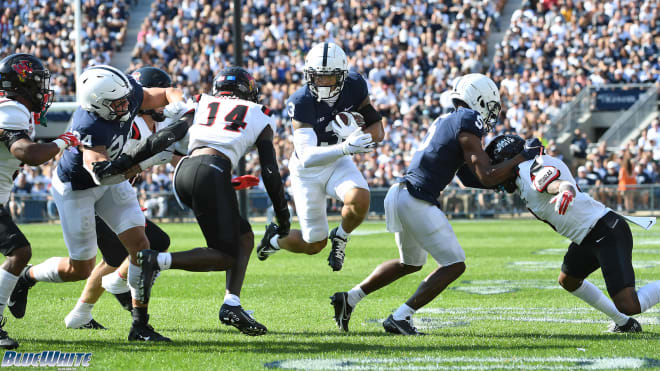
(542, 176)
(13, 115)
(471, 122)
(197, 97)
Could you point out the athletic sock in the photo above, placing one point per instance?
(342, 233)
(7, 284)
(594, 297)
(274, 243)
(403, 313)
(355, 295)
(233, 300)
(164, 260)
(649, 295)
(83, 308)
(46, 271)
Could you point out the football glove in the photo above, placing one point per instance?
(176, 110)
(358, 142)
(67, 140)
(104, 169)
(562, 201)
(244, 181)
(341, 129)
(533, 148)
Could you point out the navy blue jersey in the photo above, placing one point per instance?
(303, 106)
(95, 131)
(435, 163)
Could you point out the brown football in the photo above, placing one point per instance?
(343, 116)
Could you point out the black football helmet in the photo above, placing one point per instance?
(502, 148)
(24, 76)
(152, 77)
(238, 82)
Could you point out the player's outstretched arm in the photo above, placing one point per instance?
(23, 148)
(159, 97)
(565, 192)
(270, 173)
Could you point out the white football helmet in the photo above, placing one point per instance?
(326, 59)
(480, 94)
(100, 86)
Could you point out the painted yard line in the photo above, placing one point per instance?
(562, 252)
(494, 287)
(465, 363)
(536, 265)
(540, 310)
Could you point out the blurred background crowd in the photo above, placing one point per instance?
(409, 51)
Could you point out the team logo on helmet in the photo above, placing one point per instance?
(136, 75)
(22, 69)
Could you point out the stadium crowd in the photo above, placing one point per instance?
(409, 51)
(45, 29)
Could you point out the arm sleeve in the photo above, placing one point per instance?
(309, 154)
(468, 178)
(9, 137)
(270, 173)
(162, 139)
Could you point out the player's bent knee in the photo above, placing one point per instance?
(407, 269)
(315, 247)
(569, 283)
(627, 302)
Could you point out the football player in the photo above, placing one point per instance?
(600, 238)
(114, 254)
(225, 125)
(453, 144)
(320, 164)
(25, 96)
(110, 100)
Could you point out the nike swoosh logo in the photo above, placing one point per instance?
(217, 168)
(10, 303)
(146, 338)
(650, 222)
(600, 239)
(614, 225)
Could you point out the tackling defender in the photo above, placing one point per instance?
(110, 100)
(320, 165)
(600, 237)
(224, 127)
(453, 144)
(25, 96)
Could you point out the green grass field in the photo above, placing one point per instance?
(505, 312)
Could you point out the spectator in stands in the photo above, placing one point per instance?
(578, 147)
(626, 183)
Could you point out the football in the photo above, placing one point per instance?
(343, 116)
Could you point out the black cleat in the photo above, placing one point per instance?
(342, 310)
(236, 316)
(5, 341)
(18, 299)
(402, 327)
(93, 325)
(337, 253)
(140, 332)
(125, 300)
(148, 260)
(265, 249)
(631, 326)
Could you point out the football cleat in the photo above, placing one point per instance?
(236, 316)
(401, 327)
(76, 320)
(5, 341)
(18, 299)
(148, 260)
(342, 310)
(337, 253)
(144, 332)
(265, 249)
(631, 326)
(125, 300)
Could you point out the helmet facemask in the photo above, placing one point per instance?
(322, 85)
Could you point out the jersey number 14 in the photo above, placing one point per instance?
(233, 119)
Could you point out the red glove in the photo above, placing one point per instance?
(562, 201)
(67, 140)
(244, 181)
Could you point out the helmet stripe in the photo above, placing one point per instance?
(325, 54)
(116, 72)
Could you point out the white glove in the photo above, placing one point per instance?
(176, 110)
(341, 129)
(358, 142)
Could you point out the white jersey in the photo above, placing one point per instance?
(13, 116)
(582, 215)
(228, 125)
